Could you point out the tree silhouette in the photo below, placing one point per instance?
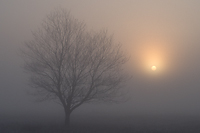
(71, 65)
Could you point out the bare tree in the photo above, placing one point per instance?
(71, 65)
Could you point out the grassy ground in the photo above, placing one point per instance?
(114, 125)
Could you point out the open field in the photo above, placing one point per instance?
(137, 124)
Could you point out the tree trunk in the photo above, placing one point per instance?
(67, 121)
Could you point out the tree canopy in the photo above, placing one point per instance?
(68, 63)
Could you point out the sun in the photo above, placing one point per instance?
(153, 68)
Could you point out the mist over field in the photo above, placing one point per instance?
(164, 34)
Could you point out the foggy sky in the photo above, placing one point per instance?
(171, 27)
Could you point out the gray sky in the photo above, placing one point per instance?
(164, 33)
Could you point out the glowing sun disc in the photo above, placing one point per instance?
(153, 68)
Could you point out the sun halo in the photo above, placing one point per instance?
(153, 68)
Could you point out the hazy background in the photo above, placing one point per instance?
(167, 28)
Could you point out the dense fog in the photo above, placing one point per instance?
(161, 33)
